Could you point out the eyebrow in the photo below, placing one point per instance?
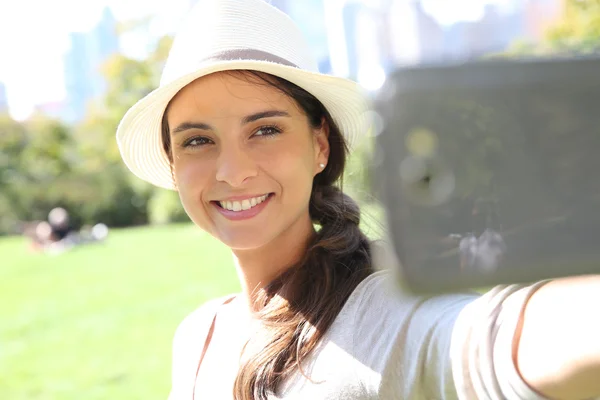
(264, 114)
(191, 125)
(246, 120)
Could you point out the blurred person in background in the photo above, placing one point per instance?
(57, 235)
(58, 218)
(51, 233)
(255, 140)
(30, 231)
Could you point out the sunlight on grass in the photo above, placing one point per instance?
(97, 323)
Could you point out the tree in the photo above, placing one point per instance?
(36, 164)
(579, 29)
(125, 198)
(13, 142)
(576, 32)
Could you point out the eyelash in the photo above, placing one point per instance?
(188, 143)
(272, 130)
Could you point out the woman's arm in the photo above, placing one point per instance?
(557, 345)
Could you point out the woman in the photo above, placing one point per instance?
(254, 139)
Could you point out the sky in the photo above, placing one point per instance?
(34, 36)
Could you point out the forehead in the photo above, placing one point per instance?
(228, 95)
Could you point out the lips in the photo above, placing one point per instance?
(240, 208)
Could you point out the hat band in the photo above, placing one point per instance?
(249, 54)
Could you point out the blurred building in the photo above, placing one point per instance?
(3, 99)
(53, 109)
(83, 78)
(494, 32)
(416, 36)
(359, 39)
(540, 15)
(309, 15)
(401, 32)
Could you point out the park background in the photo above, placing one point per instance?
(97, 322)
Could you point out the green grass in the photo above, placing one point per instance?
(98, 322)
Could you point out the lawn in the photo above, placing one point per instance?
(98, 322)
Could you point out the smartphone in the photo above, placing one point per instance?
(489, 171)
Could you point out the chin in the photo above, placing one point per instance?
(239, 243)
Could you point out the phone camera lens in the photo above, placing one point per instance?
(426, 181)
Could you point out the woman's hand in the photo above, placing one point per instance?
(557, 348)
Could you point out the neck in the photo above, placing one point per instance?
(257, 268)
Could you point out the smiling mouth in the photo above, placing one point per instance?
(243, 205)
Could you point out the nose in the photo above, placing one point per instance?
(235, 166)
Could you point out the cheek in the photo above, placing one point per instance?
(188, 170)
(192, 177)
(293, 169)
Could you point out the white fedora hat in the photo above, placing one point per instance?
(221, 35)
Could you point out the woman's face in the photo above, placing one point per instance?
(244, 158)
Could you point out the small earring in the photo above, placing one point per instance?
(322, 166)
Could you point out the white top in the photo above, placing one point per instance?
(383, 344)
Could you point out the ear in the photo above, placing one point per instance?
(321, 145)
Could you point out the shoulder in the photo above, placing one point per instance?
(197, 322)
(379, 310)
(403, 337)
(381, 295)
(384, 292)
(188, 343)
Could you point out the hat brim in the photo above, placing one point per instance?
(139, 133)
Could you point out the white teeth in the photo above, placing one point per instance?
(244, 204)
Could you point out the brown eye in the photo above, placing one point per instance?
(196, 141)
(267, 131)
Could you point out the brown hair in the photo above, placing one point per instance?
(298, 307)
